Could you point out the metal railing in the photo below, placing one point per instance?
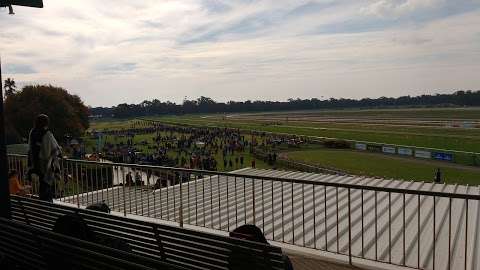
(413, 224)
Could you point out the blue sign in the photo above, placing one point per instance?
(443, 156)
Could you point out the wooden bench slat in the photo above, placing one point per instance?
(147, 235)
(183, 247)
(30, 246)
(120, 234)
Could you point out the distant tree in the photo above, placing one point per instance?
(9, 87)
(68, 114)
(208, 105)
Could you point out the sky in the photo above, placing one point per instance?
(116, 51)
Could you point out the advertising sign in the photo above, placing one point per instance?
(374, 148)
(360, 146)
(405, 151)
(443, 156)
(388, 149)
(423, 154)
(467, 125)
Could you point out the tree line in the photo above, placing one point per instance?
(208, 105)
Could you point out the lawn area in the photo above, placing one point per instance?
(111, 124)
(420, 136)
(417, 137)
(379, 165)
(260, 164)
(361, 163)
(443, 113)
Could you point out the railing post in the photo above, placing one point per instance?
(349, 230)
(180, 208)
(78, 186)
(124, 198)
(253, 201)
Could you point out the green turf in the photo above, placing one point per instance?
(260, 164)
(359, 162)
(110, 124)
(465, 140)
(443, 113)
(377, 165)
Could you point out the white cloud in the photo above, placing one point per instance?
(397, 8)
(122, 51)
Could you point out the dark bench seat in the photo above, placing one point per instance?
(175, 245)
(29, 247)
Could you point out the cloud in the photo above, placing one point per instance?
(244, 49)
(216, 6)
(116, 68)
(310, 7)
(419, 10)
(397, 8)
(19, 69)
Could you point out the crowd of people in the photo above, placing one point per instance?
(202, 148)
(187, 147)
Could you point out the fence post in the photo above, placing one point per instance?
(124, 198)
(78, 187)
(180, 210)
(349, 230)
(253, 201)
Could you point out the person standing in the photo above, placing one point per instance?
(129, 179)
(43, 156)
(438, 176)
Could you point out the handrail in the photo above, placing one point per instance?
(284, 180)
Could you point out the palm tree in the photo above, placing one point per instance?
(9, 87)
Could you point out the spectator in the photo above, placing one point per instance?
(253, 163)
(138, 179)
(438, 176)
(129, 179)
(15, 187)
(239, 259)
(43, 156)
(104, 239)
(99, 207)
(74, 226)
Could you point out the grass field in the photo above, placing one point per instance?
(414, 127)
(111, 124)
(440, 138)
(436, 113)
(414, 134)
(377, 165)
(90, 143)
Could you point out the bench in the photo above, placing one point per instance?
(175, 245)
(28, 247)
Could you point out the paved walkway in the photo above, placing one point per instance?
(301, 262)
